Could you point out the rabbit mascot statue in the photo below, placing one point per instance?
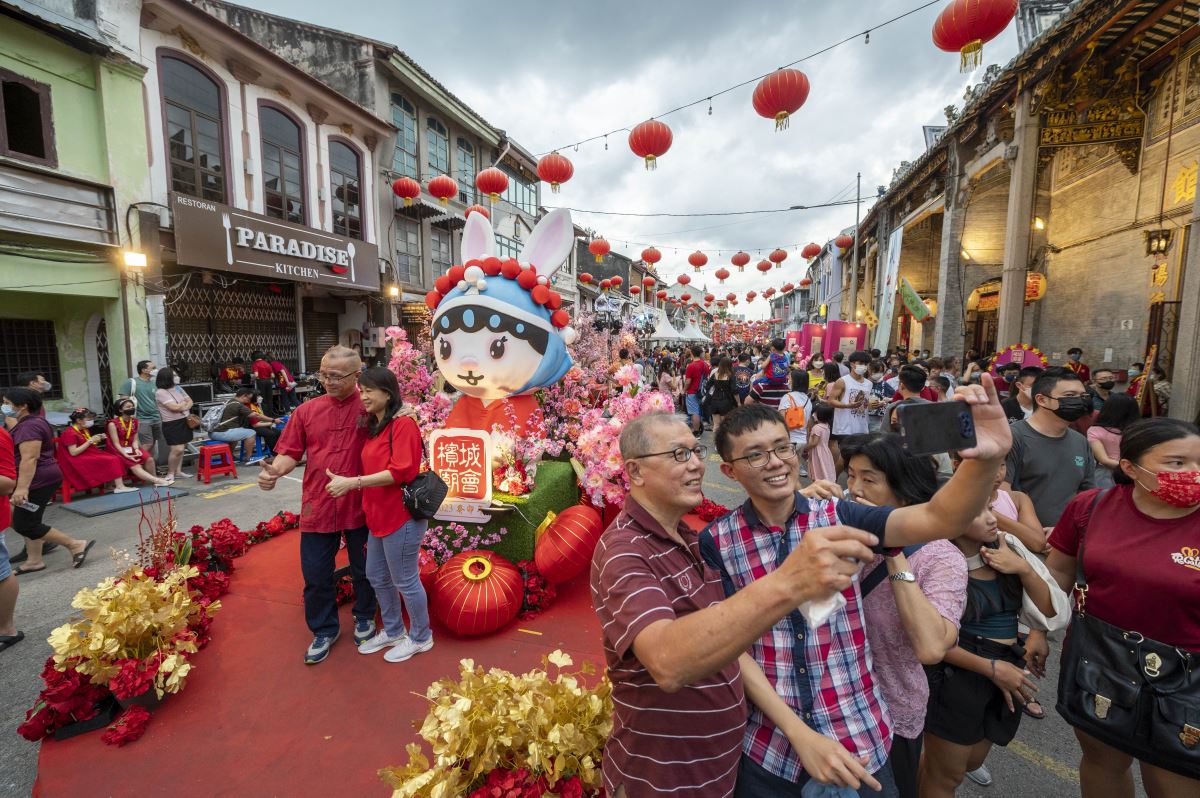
(499, 333)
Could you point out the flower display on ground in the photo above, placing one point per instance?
(522, 735)
(539, 593)
(598, 451)
(444, 541)
(128, 728)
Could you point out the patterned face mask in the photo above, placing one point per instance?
(1176, 488)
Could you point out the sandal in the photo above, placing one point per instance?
(8, 641)
(24, 569)
(78, 560)
(1029, 709)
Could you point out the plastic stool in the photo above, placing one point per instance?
(259, 452)
(215, 459)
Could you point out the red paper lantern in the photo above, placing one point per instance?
(635, 289)
(648, 281)
(427, 569)
(492, 181)
(599, 247)
(565, 548)
(661, 295)
(750, 296)
(843, 241)
(780, 94)
(764, 266)
(585, 277)
(406, 189)
(605, 285)
(555, 170)
(685, 297)
(811, 251)
(698, 259)
(651, 255)
(805, 283)
(787, 287)
(683, 279)
(964, 25)
(616, 281)
(722, 274)
(477, 592)
(709, 297)
(778, 257)
(443, 187)
(731, 296)
(479, 209)
(650, 140)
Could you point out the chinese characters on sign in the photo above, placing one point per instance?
(462, 458)
(1184, 185)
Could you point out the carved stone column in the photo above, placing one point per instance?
(948, 326)
(1023, 158)
(1185, 379)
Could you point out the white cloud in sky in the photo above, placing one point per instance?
(554, 73)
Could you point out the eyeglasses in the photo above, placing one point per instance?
(784, 451)
(323, 377)
(681, 453)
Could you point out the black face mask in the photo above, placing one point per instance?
(128, 411)
(1072, 408)
(1107, 385)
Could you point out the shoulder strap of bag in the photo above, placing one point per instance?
(880, 573)
(1080, 579)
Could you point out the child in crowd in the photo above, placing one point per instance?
(816, 451)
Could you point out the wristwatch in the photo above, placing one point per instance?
(903, 576)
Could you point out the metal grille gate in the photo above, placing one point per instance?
(104, 366)
(208, 325)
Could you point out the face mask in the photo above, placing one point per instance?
(8, 410)
(129, 411)
(45, 387)
(1107, 385)
(1011, 378)
(176, 379)
(1134, 372)
(876, 378)
(1071, 408)
(1073, 358)
(87, 423)
(860, 370)
(1176, 488)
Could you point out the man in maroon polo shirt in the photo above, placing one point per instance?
(331, 431)
(675, 650)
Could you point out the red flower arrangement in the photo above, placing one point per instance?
(135, 676)
(520, 783)
(539, 593)
(128, 728)
(68, 697)
(345, 589)
(709, 510)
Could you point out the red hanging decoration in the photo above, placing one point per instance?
(686, 297)
(661, 295)
(964, 26)
(492, 181)
(805, 283)
(616, 281)
(683, 279)
(648, 281)
(635, 289)
(477, 592)
(605, 285)
(651, 255)
(479, 209)
(599, 247)
(740, 260)
(443, 187)
(780, 94)
(406, 189)
(722, 274)
(811, 251)
(750, 296)
(650, 140)
(788, 287)
(565, 548)
(585, 277)
(555, 170)
(843, 241)
(764, 266)
(778, 257)
(697, 259)
(731, 296)
(709, 297)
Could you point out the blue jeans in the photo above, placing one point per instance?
(235, 436)
(317, 553)
(5, 565)
(392, 569)
(755, 781)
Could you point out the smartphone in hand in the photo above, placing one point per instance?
(936, 427)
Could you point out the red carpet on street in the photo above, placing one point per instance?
(253, 720)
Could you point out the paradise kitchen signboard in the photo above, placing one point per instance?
(209, 235)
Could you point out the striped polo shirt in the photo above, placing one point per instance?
(684, 744)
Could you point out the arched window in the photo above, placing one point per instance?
(345, 184)
(196, 151)
(283, 165)
(439, 148)
(404, 117)
(466, 172)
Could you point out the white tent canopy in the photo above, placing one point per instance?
(692, 333)
(665, 331)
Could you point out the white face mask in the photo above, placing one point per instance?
(87, 423)
(8, 410)
(176, 379)
(860, 369)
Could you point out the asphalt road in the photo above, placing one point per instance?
(1042, 761)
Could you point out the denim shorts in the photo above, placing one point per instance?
(5, 565)
(693, 404)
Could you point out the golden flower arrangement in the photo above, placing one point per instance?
(133, 617)
(553, 727)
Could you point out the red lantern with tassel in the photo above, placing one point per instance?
(555, 170)
(479, 209)
(763, 266)
(965, 25)
(788, 287)
(492, 181)
(661, 295)
(778, 257)
(443, 187)
(563, 550)
(477, 592)
(709, 297)
(698, 259)
(635, 289)
(731, 296)
(686, 297)
(740, 260)
(651, 255)
(406, 189)
(683, 279)
(811, 251)
(648, 281)
(805, 283)
(585, 277)
(616, 281)
(750, 296)
(722, 274)
(650, 140)
(843, 241)
(780, 94)
(599, 247)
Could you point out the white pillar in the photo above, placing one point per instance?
(1022, 157)
(1185, 377)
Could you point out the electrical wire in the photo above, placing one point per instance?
(708, 98)
(832, 204)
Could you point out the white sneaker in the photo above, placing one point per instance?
(379, 642)
(980, 776)
(125, 489)
(182, 475)
(406, 648)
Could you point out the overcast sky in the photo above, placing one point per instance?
(552, 73)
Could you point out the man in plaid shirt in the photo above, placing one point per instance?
(824, 673)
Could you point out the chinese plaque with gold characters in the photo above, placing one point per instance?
(463, 459)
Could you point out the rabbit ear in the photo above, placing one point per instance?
(478, 240)
(550, 242)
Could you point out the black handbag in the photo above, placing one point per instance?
(1136, 694)
(423, 496)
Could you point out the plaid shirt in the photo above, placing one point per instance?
(824, 674)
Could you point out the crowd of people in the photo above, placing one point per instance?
(887, 634)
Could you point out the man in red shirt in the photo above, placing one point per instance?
(697, 370)
(9, 636)
(264, 381)
(331, 431)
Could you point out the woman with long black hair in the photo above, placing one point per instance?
(1140, 543)
(391, 458)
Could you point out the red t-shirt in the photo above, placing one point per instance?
(1143, 573)
(398, 450)
(695, 372)
(262, 370)
(8, 468)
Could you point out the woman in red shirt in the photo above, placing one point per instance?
(1142, 572)
(122, 431)
(391, 458)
